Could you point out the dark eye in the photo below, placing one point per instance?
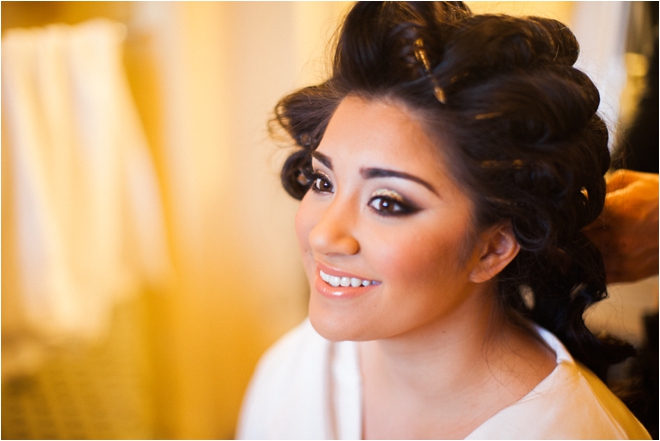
(321, 183)
(386, 206)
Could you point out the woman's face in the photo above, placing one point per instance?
(385, 233)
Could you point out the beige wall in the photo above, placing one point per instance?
(561, 11)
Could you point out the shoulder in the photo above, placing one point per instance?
(571, 403)
(287, 394)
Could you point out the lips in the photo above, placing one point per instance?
(338, 284)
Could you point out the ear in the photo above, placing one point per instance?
(499, 247)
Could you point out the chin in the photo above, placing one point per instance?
(337, 328)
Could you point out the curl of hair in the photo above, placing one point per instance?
(519, 126)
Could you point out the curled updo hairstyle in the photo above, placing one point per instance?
(520, 130)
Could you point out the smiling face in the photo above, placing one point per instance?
(385, 233)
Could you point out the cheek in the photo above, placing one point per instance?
(423, 259)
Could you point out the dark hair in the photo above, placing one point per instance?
(522, 133)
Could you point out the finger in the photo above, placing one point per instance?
(624, 178)
(619, 269)
(604, 237)
(615, 180)
(628, 276)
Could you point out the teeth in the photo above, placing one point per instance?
(344, 281)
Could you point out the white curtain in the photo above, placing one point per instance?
(82, 207)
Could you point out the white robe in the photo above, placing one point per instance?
(306, 387)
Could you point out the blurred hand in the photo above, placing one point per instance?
(627, 230)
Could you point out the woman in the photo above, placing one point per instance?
(445, 170)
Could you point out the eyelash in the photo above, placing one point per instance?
(400, 207)
(317, 177)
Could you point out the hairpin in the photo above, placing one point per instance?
(516, 164)
(420, 54)
(488, 115)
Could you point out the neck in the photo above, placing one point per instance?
(446, 378)
(458, 348)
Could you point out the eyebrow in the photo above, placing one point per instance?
(370, 173)
(322, 159)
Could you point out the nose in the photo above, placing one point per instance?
(334, 232)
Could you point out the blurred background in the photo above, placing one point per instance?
(148, 250)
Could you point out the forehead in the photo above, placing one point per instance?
(383, 130)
